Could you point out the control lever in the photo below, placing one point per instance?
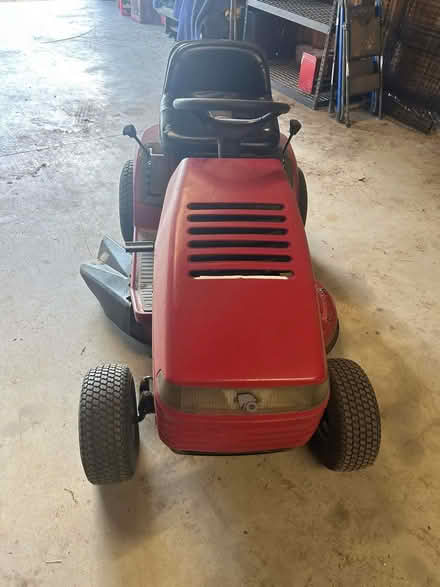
(130, 131)
(294, 128)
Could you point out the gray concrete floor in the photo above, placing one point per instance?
(266, 521)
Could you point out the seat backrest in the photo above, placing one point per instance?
(220, 66)
(214, 69)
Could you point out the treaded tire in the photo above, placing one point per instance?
(303, 200)
(348, 437)
(302, 189)
(108, 427)
(333, 341)
(126, 186)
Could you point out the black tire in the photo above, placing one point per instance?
(302, 188)
(108, 427)
(303, 200)
(334, 340)
(348, 437)
(126, 183)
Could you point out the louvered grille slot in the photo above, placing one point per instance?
(240, 257)
(236, 218)
(235, 206)
(236, 230)
(214, 244)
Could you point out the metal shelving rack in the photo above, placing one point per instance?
(318, 15)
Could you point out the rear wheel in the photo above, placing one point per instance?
(126, 183)
(108, 427)
(302, 188)
(334, 340)
(302, 196)
(348, 436)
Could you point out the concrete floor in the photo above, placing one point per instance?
(266, 521)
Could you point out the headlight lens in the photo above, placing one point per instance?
(268, 400)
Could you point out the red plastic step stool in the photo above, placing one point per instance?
(310, 63)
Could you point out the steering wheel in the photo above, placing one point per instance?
(231, 131)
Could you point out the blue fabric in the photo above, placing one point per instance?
(177, 7)
(192, 15)
(198, 5)
(183, 12)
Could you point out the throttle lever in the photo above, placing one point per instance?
(130, 131)
(294, 128)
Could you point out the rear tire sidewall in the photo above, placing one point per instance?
(302, 196)
(303, 201)
(126, 195)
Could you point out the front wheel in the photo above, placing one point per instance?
(108, 425)
(348, 436)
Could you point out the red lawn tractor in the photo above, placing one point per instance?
(216, 276)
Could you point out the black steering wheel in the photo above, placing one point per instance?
(218, 104)
(231, 131)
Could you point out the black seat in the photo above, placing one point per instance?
(214, 69)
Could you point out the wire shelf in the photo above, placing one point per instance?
(285, 78)
(314, 14)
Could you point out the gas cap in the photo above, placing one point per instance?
(247, 402)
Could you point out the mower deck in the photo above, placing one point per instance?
(109, 280)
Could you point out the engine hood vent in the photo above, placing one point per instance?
(235, 218)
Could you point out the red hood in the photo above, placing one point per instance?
(226, 330)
